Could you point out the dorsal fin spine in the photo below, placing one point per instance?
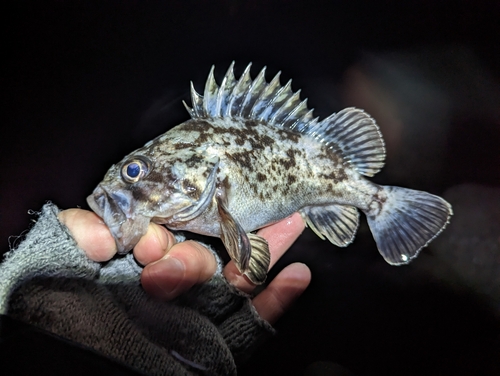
(304, 122)
(238, 91)
(221, 96)
(276, 101)
(286, 107)
(264, 99)
(225, 89)
(210, 95)
(189, 109)
(253, 93)
(197, 100)
(294, 114)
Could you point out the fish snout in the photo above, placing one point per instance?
(111, 206)
(117, 211)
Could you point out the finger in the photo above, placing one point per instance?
(186, 264)
(154, 244)
(288, 285)
(90, 233)
(280, 236)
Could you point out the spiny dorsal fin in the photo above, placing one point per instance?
(250, 99)
(350, 132)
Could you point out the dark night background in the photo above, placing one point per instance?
(84, 83)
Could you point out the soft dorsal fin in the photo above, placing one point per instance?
(351, 132)
(354, 134)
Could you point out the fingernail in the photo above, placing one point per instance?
(167, 275)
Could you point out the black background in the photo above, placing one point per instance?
(84, 83)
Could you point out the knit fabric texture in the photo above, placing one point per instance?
(47, 281)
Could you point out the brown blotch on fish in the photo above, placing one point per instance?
(291, 154)
(254, 187)
(193, 160)
(249, 124)
(194, 126)
(261, 177)
(157, 177)
(262, 139)
(250, 135)
(336, 176)
(182, 145)
(190, 189)
(225, 184)
(291, 179)
(289, 136)
(380, 197)
(200, 126)
(139, 194)
(287, 163)
(244, 159)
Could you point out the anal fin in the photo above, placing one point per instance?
(337, 223)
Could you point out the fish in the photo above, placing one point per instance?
(252, 154)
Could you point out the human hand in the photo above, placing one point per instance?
(171, 268)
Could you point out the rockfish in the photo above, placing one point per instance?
(252, 154)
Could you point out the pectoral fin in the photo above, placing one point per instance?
(250, 252)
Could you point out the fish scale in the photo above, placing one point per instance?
(253, 154)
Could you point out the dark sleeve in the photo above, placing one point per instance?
(49, 282)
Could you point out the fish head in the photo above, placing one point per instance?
(143, 188)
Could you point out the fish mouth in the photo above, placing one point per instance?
(117, 210)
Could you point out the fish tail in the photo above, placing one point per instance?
(403, 221)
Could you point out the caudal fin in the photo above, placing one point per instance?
(407, 221)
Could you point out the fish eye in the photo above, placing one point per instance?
(134, 170)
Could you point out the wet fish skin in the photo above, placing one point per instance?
(251, 155)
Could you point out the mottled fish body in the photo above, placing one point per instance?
(253, 154)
